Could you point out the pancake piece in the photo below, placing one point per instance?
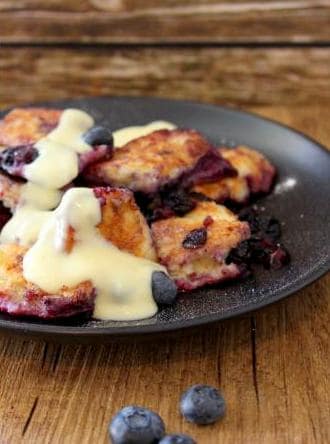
(148, 163)
(123, 223)
(194, 247)
(23, 126)
(22, 298)
(255, 174)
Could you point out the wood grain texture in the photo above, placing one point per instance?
(67, 394)
(272, 367)
(168, 21)
(227, 75)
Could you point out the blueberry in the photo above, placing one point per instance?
(177, 439)
(240, 254)
(202, 404)
(279, 258)
(164, 289)
(250, 215)
(98, 135)
(195, 239)
(14, 159)
(178, 200)
(273, 229)
(136, 425)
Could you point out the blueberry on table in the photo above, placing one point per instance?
(202, 404)
(136, 425)
(177, 439)
(98, 135)
(164, 290)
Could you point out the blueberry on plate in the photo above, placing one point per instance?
(136, 425)
(14, 159)
(177, 439)
(164, 290)
(202, 404)
(195, 239)
(178, 200)
(98, 135)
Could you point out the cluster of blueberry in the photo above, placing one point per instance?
(263, 247)
(170, 201)
(176, 198)
(200, 404)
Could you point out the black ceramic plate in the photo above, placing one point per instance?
(300, 200)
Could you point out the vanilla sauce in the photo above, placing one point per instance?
(122, 281)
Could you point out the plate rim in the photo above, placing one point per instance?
(58, 331)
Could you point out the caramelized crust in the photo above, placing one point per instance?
(205, 264)
(123, 224)
(255, 175)
(148, 163)
(23, 126)
(233, 188)
(20, 297)
(251, 165)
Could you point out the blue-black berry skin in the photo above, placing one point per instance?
(136, 425)
(177, 439)
(202, 404)
(195, 239)
(98, 135)
(164, 290)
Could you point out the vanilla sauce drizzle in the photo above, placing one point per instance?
(122, 281)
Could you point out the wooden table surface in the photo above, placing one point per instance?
(273, 365)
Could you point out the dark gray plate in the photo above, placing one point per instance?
(300, 200)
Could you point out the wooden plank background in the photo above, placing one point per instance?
(271, 57)
(232, 75)
(166, 21)
(237, 52)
